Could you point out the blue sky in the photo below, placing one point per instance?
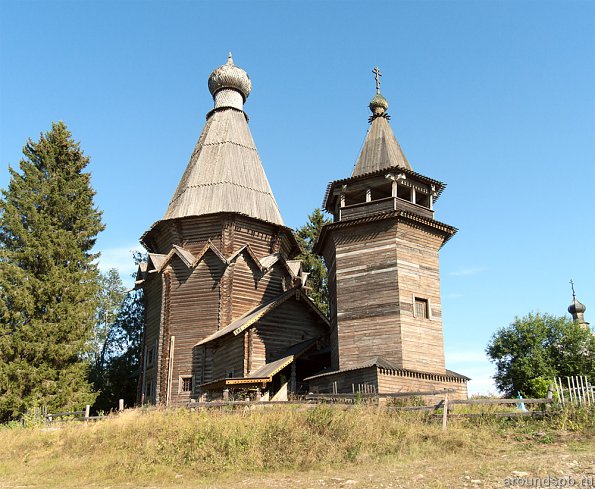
(495, 98)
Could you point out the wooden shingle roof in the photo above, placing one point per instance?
(381, 150)
(225, 173)
(385, 366)
(254, 315)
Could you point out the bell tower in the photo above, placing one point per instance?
(382, 255)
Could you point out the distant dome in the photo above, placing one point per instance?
(576, 307)
(378, 105)
(230, 76)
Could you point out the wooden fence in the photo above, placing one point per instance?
(569, 390)
(76, 415)
(575, 390)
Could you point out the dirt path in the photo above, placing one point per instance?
(504, 469)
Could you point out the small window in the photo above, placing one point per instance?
(148, 391)
(186, 383)
(421, 308)
(150, 357)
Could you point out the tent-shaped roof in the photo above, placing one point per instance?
(225, 173)
(380, 150)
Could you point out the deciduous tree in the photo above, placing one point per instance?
(116, 375)
(538, 347)
(110, 299)
(48, 277)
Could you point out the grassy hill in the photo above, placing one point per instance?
(289, 446)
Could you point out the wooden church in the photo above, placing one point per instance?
(226, 308)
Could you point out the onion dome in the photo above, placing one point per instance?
(378, 105)
(229, 76)
(576, 307)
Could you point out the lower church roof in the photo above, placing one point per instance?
(382, 363)
(251, 317)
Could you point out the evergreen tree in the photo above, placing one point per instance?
(313, 263)
(48, 278)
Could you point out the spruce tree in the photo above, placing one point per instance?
(313, 263)
(48, 278)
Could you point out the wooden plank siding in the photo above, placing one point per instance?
(249, 287)
(387, 381)
(419, 276)
(191, 303)
(379, 269)
(402, 382)
(343, 381)
(192, 319)
(367, 306)
(152, 298)
(288, 324)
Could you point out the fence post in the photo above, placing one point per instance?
(121, 405)
(87, 411)
(445, 412)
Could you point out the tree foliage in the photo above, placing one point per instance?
(110, 299)
(313, 263)
(48, 278)
(538, 347)
(115, 376)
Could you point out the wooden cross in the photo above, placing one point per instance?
(572, 285)
(377, 75)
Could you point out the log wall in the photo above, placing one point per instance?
(249, 287)
(228, 357)
(198, 301)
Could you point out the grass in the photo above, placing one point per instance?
(141, 448)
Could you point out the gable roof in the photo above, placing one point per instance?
(293, 352)
(225, 173)
(157, 262)
(380, 149)
(252, 316)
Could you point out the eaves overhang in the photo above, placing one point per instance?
(326, 204)
(445, 229)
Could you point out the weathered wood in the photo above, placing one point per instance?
(444, 412)
(381, 395)
(170, 368)
(500, 401)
